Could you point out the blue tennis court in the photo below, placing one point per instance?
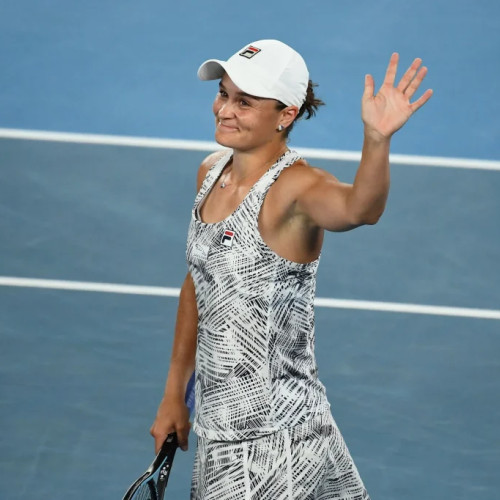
(414, 392)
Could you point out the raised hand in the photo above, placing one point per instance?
(387, 111)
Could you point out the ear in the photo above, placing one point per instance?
(288, 115)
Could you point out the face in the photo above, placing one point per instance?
(244, 122)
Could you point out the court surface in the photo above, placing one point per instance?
(408, 311)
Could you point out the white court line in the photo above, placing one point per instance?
(319, 302)
(85, 286)
(324, 154)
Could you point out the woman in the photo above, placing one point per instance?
(245, 317)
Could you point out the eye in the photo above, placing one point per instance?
(244, 103)
(222, 93)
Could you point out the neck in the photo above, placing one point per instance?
(254, 162)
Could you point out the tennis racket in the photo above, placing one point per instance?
(152, 484)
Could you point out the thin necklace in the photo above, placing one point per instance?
(223, 182)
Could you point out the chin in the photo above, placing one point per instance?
(226, 140)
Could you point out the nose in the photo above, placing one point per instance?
(225, 111)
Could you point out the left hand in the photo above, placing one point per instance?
(388, 110)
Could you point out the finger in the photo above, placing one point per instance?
(409, 75)
(157, 431)
(390, 74)
(160, 436)
(182, 437)
(415, 83)
(422, 100)
(369, 87)
(159, 440)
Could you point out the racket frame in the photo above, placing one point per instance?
(165, 457)
(163, 462)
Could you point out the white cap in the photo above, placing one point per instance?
(266, 68)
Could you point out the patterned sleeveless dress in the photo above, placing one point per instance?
(256, 373)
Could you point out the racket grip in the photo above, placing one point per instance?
(190, 394)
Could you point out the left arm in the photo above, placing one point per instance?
(338, 207)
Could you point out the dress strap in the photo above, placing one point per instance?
(210, 179)
(260, 189)
(267, 180)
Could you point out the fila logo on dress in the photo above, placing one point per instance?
(227, 238)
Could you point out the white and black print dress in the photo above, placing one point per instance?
(256, 373)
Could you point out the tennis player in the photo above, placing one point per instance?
(246, 316)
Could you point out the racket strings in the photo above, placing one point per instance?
(147, 491)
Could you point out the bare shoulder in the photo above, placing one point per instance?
(300, 176)
(206, 164)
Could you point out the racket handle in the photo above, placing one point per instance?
(190, 394)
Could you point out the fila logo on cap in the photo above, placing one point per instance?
(227, 238)
(249, 52)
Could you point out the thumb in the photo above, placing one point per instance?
(159, 442)
(182, 436)
(369, 87)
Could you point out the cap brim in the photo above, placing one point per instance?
(211, 70)
(251, 82)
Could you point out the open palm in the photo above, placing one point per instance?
(387, 111)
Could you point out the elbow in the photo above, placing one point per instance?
(373, 219)
(374, 213)
(366, 212)
(369, 218)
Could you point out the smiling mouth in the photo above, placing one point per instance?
(225, 127)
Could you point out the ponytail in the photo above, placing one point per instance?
(308, 108)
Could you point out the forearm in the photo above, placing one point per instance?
(184, 347)
(367, 199)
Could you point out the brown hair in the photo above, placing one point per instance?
(310, 106)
